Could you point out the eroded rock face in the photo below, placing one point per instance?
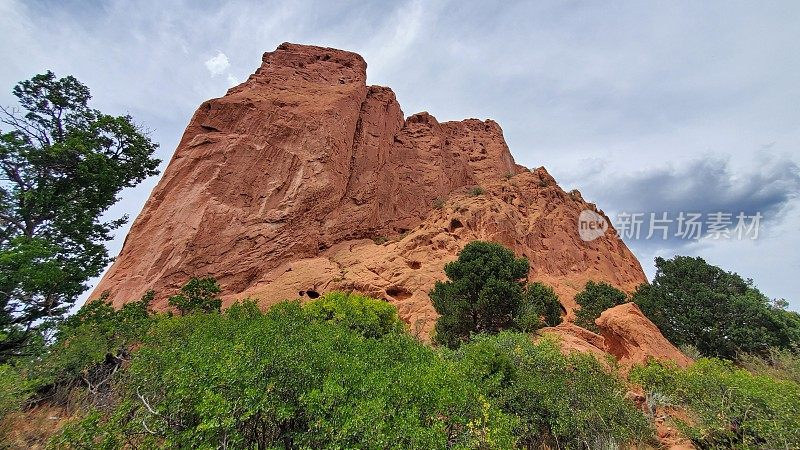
(294, 179)
(632, 338)
(572, 338)
(625, 333)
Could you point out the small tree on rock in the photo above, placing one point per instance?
(486, 293)
(198, 295)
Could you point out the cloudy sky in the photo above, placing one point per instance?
(661, 107)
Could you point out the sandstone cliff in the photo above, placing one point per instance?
(303, 180)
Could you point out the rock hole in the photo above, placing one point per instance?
(398, 293)
(312, 294)
(301, 293)
(455, 224)
(414, 264)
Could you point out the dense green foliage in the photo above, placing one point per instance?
(731, 407)
(285, 379)
(92, 344)
(15, 388)
(718, 312)
(342, 371)
(331, 374)
(593, 300)
(540, 307)
(198, 295)
(87, 351)
(62, 165)
(368, 316)
(560, 401)
(486, 293)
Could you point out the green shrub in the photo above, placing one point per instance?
(541, 307)
(285, 379)
(476, 191)
(198, 295)
(368, 316)
(732, 407)
(15, 389)
(97, 335)
(439, 203)
(691, 351)
(593, 300)
(89, 433)
(559, 401)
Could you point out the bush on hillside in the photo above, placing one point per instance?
(732, 407)
(14, 389)
(476, 191)
(560, 401)
(285, 379)
(781, 364)
(368, 316)
(693, 302)
(593, 300)
(198, 295)
(86, 354)
(89, 348)
(96, 333)
(540, 307)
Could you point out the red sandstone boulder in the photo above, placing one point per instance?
(625, 333)
(632, 338)
(572, 338)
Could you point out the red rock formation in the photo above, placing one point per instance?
(632, 338)
(625, 333)
(286, 183)
(572, 338)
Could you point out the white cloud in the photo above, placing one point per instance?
(218, 64)
(232, 80)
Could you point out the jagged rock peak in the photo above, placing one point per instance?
(304, 179)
